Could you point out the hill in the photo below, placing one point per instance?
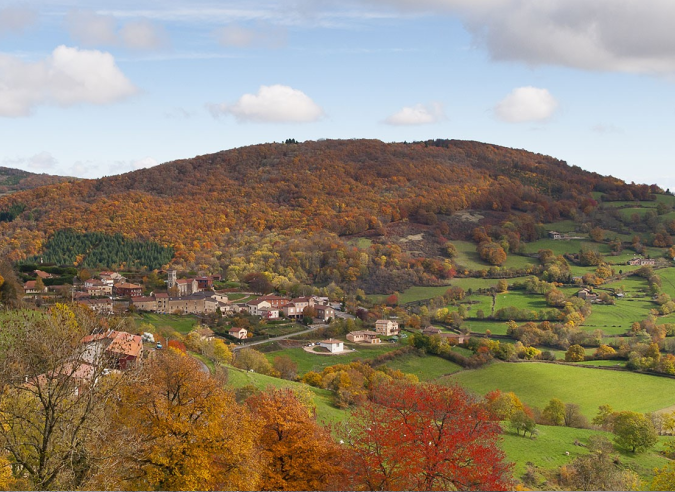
(13, 180)
(291, 209)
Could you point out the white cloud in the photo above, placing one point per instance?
(264, 35)
(419, 114)
(613, 35)
(143, 163)
(16, 19)
(144, 35)
(526, 104)
(68, 76)
(272, 104)
(38, 162)
(89, 28)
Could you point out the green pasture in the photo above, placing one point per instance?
(567, 226)
(632, 286)
(480, 283)
(426, 367)
(521, 300)
(481, 326)
(616, 320)
(468, 257)
(628, 212)
(417, 293)
(560, 354)
(562, 246)
(282, 329)
(536, 383)
(548, 450)
(519, 262)
(667, 276)
(315, 362)
(605, 363)
(181, 324)
(323, 399)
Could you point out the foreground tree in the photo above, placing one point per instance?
(297, 453)
(175, 428)
(425, 437)
(55, 392)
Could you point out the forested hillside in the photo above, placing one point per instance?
(260, 206)
(12, 180)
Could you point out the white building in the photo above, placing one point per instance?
(332, 345)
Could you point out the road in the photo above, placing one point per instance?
(282, 337)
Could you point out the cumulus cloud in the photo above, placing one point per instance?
(89, 28)
(272, 104)
(613, 35)
(68, 76)
(38, 162)
(419, 114)
(16, 19)
(263, 36)
(526, 104)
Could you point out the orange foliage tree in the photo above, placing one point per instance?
(297, 452)
(425, 437)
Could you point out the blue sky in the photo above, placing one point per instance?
(98, 88)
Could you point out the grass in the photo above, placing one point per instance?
(426, 368)
(481, 326)
(521, 300)
(281, 329)
(480, 283)
(468, 257)
(361, 242)
(667, 280)
(537, 383)
(562, 226)
(323, 399)
(181, 324)
(314, 362)
(548, 450)
(562, 246)
(617, 319)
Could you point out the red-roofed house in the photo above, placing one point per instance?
(122, 348)
(128, 290)
(240, 333)
(30, 288)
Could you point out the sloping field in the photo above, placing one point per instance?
(537, 383)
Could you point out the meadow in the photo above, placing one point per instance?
(315, 362)
(617, 319)
(181, 324)
(426, 368)
(536, 383)
(548, 450)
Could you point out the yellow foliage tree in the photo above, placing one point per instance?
(176, 428)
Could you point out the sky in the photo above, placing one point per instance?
(94, 88)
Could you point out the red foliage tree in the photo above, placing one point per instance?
(178, 345)
(425, 437)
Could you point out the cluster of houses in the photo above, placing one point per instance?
(638, 261)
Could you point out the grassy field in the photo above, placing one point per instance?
(481, 326)
(521, 300)
(480, 283)
(467, 256)
(426, 368)
(322, 398)
(562, 226)
(617, 319)
(315, 362)
(632, 286)
(563, 246)
(667, 280)
(537, 383)
(548, 450)
(182, 324)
